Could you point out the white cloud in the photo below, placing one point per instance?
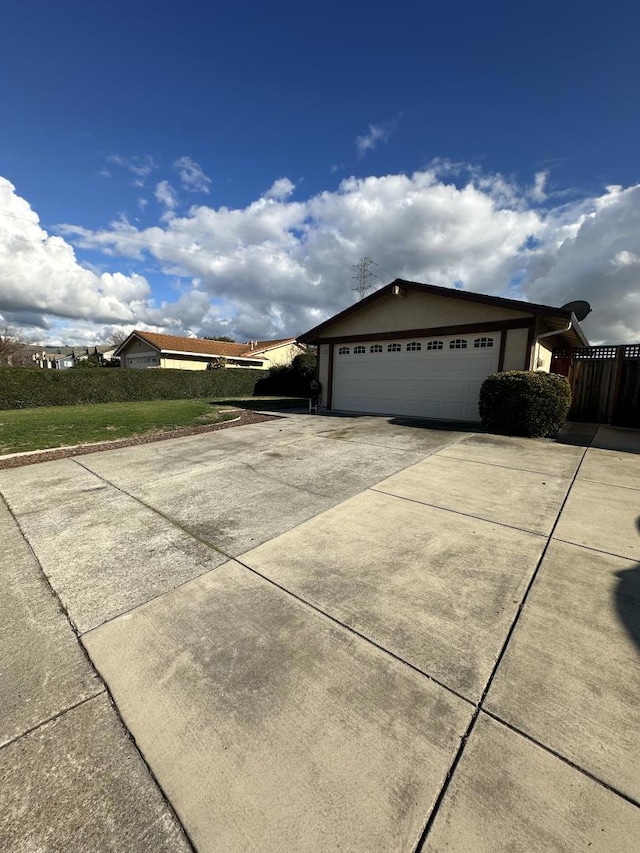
(166, 195)
(591, 250)
(538, 192)
(277, 269)
(192, 177)
(142, 203)
(377, 133)
(140, 166)
(280, 189)
(45, 290)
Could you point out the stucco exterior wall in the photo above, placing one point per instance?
(417, 311)
(516, 351)
(137, 346)
(542, 357)
(183, 363)
(139, 355)
(281, 355)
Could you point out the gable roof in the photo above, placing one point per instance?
(201, 346)
(465, 295)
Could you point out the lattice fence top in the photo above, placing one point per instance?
(602, 352)
(595, 352)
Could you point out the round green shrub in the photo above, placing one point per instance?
(525, 402)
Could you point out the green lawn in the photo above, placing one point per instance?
(56, 426)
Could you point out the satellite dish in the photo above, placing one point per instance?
(580, 308)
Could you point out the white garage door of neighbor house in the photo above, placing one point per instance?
(425, 377)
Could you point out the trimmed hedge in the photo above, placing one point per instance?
(523, 402)
(21, 388)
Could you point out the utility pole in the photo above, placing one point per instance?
(363, 276)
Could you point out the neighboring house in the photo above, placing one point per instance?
(148, 349)
(423, 351)
(62, 362)
(63, 358)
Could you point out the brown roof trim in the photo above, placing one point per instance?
(514, 304)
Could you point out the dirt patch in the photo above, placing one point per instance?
(245, 416)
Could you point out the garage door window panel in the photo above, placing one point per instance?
(458, 343)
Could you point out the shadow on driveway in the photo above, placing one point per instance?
(445, 426)
(627, 597)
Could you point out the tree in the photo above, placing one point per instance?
(305, 365)
(13, 349)
(89, 362)
(224, 338)
(118, 338)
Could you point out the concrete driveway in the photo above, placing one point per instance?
(324, 633)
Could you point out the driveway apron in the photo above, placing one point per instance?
(324, 634)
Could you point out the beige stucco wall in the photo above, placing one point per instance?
(137, 346)
(515, 352)
(281, 355)
(181, 363)
(542, 357)
(139, 355)
(417, 311)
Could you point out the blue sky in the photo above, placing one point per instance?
(205, 170)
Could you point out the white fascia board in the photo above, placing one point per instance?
(208, 355)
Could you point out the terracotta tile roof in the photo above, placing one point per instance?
(199, 346)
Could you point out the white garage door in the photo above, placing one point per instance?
(425, 377)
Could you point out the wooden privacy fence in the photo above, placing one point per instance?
(605, 383)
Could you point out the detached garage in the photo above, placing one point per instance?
(423, 351)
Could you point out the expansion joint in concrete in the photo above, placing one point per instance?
(610, 788)
(52, 718)
(353, 631)
(479, 707)
(103, 690)
(153, 509)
